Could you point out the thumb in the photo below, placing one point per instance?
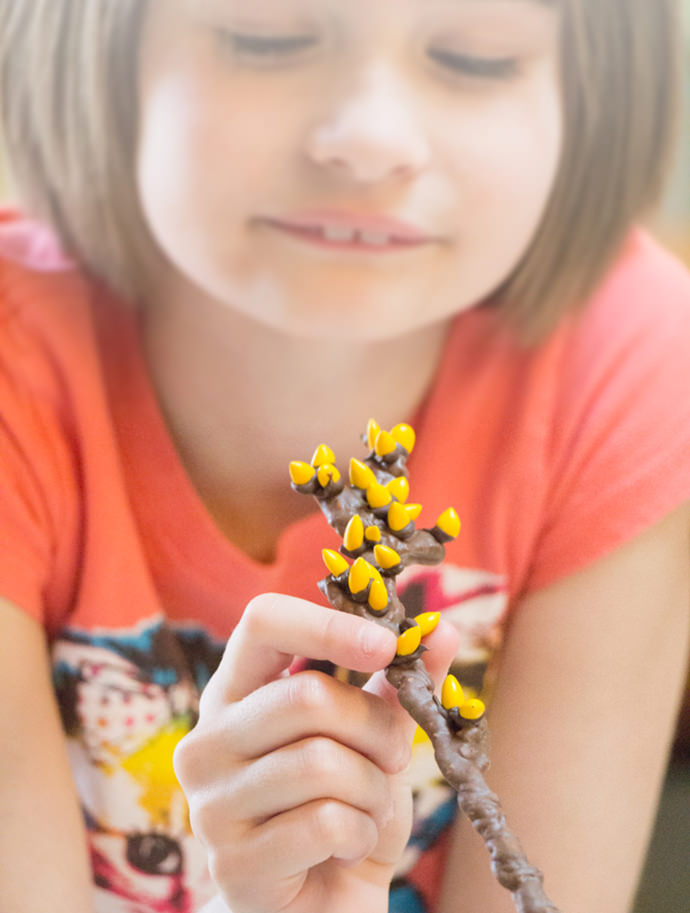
(442, 645)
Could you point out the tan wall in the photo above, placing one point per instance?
(4, 180)
(673, 224)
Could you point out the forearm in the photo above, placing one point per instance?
(42, 849)
(42, 839)
(581, 724)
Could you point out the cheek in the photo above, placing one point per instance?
(168, 149)
(187, 177)
(210, 160)
(512, 155)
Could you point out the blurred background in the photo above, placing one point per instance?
(665, 886)
(673, 222)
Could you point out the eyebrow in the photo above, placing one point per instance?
(223, 3)
(535, 2)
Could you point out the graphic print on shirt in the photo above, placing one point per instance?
(127, 698)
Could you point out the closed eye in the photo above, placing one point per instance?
(266, 47)
(476, 67)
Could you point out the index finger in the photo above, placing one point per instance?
(275, 628)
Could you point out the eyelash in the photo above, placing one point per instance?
(477, 67)
(274, 48)
(266, 48)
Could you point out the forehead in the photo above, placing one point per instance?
(378, 19)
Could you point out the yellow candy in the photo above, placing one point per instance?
(327, 472)
(372, 534)
(378, 496)
(374, 573)
(378, 596)
(449, 523)
(399, 488)
(373, 429)
(322, 454)
(405, 436)
(452, 694)
(334, 561)
(384, 444)
(359, 577)
(353, 536)
(386, 557)
(300, 472)
(409, 641)
(361, 475)
(472, 710)
(428, 621)
(399, 515)
(420, 737)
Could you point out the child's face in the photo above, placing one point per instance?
(441, 114)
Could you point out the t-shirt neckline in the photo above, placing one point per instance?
(168, 505)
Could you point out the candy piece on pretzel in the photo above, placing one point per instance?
(377, 525)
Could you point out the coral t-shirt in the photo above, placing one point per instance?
(552, 456)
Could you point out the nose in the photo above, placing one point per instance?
(372, 134)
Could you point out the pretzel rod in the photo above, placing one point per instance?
(376, 523)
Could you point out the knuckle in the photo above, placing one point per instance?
(233, 867)
(401, 751)
(205, 701)
(201, 755)
(398, 742)
(211, 816)
(344, 829)
(319, 758)
(253, 616)
(183, 759)
(330, 821)
(336, 627)
(212, 697)
(258, 613)
(309, 692)
(201, 818)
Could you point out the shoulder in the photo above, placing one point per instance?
(45, 323)
(49, 403)
(619, 430)
(643, 301)
(49, 360)
(30, 243)
(587, 432)
(644, 266)
(631, 341)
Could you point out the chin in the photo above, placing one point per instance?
(348, 329)
(357, 318)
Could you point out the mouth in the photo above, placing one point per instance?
(368, 239)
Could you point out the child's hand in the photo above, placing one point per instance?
(297, 784)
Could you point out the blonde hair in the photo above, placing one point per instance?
(69, 102)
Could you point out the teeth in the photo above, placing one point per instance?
(374, 238)
(338, 233)
(342, 233)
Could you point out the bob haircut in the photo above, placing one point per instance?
(69, 104)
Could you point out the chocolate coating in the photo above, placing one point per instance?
(460, 746)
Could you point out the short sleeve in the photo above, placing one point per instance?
(619, 454)
(34, 473)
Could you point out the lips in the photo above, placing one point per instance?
(350, 232)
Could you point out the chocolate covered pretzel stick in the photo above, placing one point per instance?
(377, 525)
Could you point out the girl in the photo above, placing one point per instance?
(248, 226)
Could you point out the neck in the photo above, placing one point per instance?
(241, 400)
